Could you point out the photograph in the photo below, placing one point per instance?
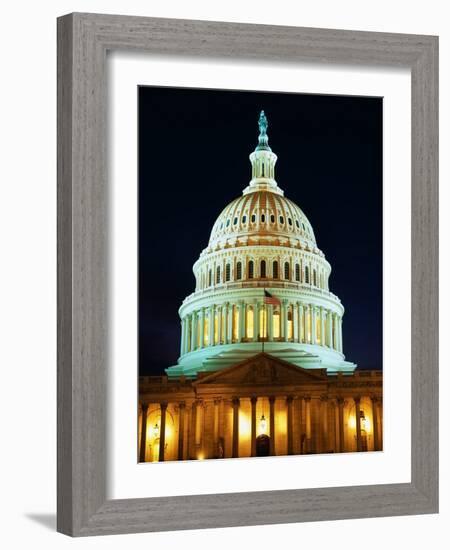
(260, 294)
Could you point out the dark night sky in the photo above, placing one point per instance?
(193, 160)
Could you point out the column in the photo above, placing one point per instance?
(272, 424)
(376, 435)
(290, 439)
(308, 423)
(300, 423)
(235, 449)
(211, 313)
(181, 412)
(216, 428)
(329, 330)
(219, 324)
(335, 334)
(229, 323)
(324, 423)
(253, 401)
(313, 324)
(307, 316)
(295, 322)
(162, 433)
(202, 327)
(357, 401)
(183, 331)
(340, 402)
(269, 314)
(301, 322)
(143, 446)
(341, 347)
(322, 326)
(193, 331)
(242, 312)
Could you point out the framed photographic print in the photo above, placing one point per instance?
(247, 274)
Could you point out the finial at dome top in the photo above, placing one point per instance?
(263, 139)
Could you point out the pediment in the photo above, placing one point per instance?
(263, 369)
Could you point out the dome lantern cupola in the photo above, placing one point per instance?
(263, 162)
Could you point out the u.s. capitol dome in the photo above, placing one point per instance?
(262, 284)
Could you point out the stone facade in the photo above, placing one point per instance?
(263, 405)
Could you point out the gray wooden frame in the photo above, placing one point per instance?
(83, 41)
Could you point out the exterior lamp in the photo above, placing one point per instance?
(363, 422)
(263, 425)
(156, 430)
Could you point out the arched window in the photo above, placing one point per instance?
(272, 218)
(218, 275)
(314, 277)
(263, 218)
(286, 270)
(253, 218)
(275, 269)
(263, 269)
(210, 277)
(306, 274)
(239, 271)
(297, 272)
(251, 269)
(227, 272)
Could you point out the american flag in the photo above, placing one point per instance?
(269, 299)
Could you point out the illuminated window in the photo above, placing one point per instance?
(290, 329)
(263, 323)
(251, 269)
(306, 274)
(239, 270)
(205, 331)
(227, 272)
(263, 269)
(308, 326)
(286, 270)
(275, 269)
(218, 275)
(276, 324)
(297, 272)
(249, 324)
(235, 331)
(216, 328)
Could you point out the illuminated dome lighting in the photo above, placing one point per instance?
(261, 240)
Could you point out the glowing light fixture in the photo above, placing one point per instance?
(156, 430)
(263, 425)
